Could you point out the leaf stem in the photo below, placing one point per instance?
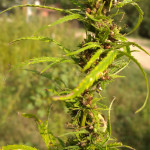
(84, 115)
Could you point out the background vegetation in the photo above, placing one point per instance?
(131, 12)
(25, 91)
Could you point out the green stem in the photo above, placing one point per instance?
(83, 118)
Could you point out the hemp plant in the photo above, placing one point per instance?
(101, 56)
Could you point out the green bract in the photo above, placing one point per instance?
(98, 55)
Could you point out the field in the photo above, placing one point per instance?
(24, 90)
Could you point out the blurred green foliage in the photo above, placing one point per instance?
(7, 3)
(24, 91)
(127, 20)
(130, 128)
(144, 29)
(63, 3)
(131, 14)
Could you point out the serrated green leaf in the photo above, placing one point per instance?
(91, 45)
(108, 125)
(102, 106)
(52, 64)
(93, 59)
(129, 147)
(48, 137)
(18, 147)
(40, 60)
(113, 76)
(118, 145)
(138, 46)
(61, 20)
(45, 39)
(46, 75)
(41, 38)
(77, 3)
(106, 34)
(114, 145)
(145, 76)
(95, 100)
(37, 6)
(31, 116)
(97, 20)
(127, 49)
(61, 141)
(108, 122)
(72, 147)
(126, 44)
(125, 2)
(74, 133)
(140, 17)
(91, 77)
(43, 59)
(122, 68)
